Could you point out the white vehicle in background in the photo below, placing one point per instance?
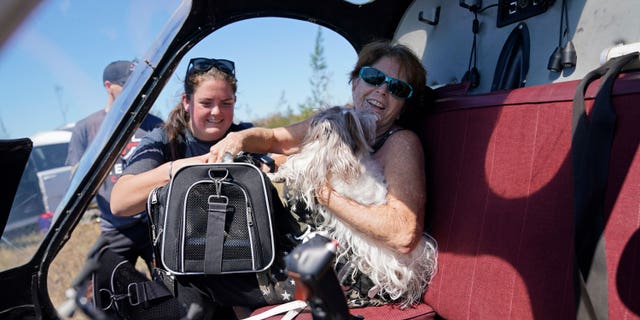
(46, 171)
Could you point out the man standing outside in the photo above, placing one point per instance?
(128, 236)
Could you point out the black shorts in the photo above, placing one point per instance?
(132, 242)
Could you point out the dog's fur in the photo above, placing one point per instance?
(337, 150)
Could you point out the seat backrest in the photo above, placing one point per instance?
(500, 203)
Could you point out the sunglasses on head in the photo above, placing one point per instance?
(205, 64)
(396, 87)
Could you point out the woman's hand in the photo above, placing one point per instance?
(233, 143)
(323, 195)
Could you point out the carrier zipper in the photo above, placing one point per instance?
(249, 216)
(154, 196)
(150, 204)
(256, 246)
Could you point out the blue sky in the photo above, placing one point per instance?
(51, 69)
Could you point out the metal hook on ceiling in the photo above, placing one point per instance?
(433, 22)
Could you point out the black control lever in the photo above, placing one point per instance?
(310, 265)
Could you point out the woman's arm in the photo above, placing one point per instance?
(281, 140)
(399, 222)
(130, 193)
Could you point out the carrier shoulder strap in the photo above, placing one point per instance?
(140, 291)
(148, 291)
(590, 152)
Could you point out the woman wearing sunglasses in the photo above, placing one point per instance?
(390, 80)
(202, 118)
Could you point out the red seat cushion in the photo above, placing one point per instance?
(500, 195)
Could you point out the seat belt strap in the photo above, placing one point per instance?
(590, 151)
(290, 309)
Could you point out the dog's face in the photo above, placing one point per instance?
(342, 127)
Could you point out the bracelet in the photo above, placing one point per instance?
(170, 169)
(269, 162)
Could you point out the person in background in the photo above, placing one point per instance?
(127, 236)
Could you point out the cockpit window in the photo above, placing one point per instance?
(49, 156)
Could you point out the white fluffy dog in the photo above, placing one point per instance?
(337, 150)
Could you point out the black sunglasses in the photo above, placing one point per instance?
(395, 86)
(205, 64)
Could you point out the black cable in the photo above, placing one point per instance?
(476, 29)
(472, 74)
(566, 18)
(487, 7)
(561, 32)
(564, 23)
(473, 56)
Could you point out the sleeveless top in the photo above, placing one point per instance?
(376, 146)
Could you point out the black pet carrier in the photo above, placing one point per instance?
(213, 219)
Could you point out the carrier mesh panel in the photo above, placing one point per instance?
(237, 245)
(196, 207)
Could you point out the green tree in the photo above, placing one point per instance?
(319, 80)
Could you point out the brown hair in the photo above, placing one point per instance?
(410, 65)
(178, 120)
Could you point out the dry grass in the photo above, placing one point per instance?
(17, 249)
(71, 259)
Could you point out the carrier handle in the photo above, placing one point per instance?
(214, 174)
(217, 175)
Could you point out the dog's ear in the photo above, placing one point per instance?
(368, 121)
(360, 144)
